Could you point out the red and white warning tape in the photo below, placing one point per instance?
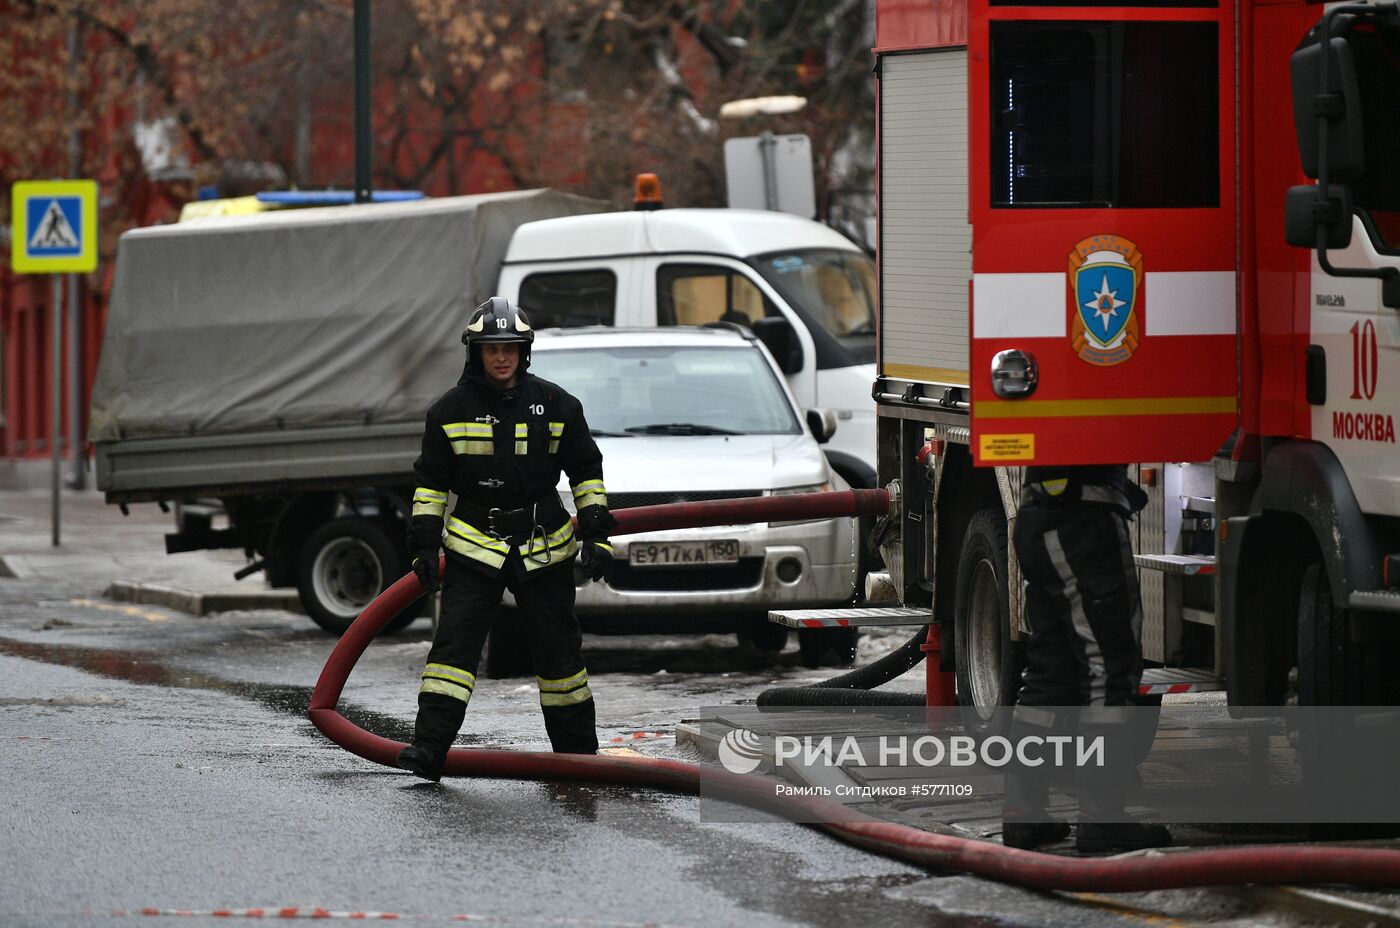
(638, 736)
(1163, 689)
(318, 912)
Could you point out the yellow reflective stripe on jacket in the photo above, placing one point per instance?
(551, 541)
(468, 542)
(429, 502)
(467, 429)
(522, 438)
(559, 546)
(590, 493)
(469, 437)
(556, 429)
(556, 555)
(470, 533)
(568, 691)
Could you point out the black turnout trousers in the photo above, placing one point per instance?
(1082, 605)
(1084, 612)
(545, 600)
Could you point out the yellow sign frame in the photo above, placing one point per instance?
(85, 261)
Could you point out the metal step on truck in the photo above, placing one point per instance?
(1161, 234)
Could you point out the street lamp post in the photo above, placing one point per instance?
(363, 183)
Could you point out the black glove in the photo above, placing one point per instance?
(596, 557)
(595, 522)
(425, 568)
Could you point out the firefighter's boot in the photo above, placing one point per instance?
(1117, 837)
(572, 729)
(1030, 835)
(422, 761)
(1104, 825)
(1025, 822)
(439, 718)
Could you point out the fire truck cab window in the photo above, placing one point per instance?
(1376, 192)
(569, 298)
(1080, 120)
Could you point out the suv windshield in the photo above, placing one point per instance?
(672, 390)
(831, 287)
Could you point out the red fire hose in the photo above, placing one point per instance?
(1358, 866)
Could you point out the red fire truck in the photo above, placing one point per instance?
(1086, 212)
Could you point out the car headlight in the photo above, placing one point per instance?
(794, 491)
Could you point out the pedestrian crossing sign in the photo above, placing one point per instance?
(53, 227)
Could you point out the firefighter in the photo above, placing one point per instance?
(1084, 650)
(499, 440)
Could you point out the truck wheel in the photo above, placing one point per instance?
(1325, 677)
(988, 664)
(831, 647)
(1334, 671)
(342, 567)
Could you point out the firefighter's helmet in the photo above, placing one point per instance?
(500, 321)
(497, 320)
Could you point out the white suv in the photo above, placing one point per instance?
(687, 414)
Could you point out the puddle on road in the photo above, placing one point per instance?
(135, 667)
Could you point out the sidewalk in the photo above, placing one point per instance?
(124, 556)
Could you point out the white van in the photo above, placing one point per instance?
(805, 290)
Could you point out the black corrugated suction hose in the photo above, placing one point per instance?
(857, 687)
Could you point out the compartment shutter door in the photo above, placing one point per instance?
(925, 239)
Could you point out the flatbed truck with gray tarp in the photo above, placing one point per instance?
(280, 364)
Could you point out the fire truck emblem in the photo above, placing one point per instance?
(1105, 290)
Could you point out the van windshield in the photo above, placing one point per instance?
(833, 288)
(671, 390)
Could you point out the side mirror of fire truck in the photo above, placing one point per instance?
(1332, 144)
(1326, 117)
(1327, 108)
(1309, 210)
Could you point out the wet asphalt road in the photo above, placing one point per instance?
(157, 760)
(150, 759)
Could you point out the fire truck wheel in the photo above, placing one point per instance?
(343, 565)
(1325, 675)
(988, 663)
(1335, 670)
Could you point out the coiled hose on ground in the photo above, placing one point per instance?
(1359, 866)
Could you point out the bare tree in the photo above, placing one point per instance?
(469, 96)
